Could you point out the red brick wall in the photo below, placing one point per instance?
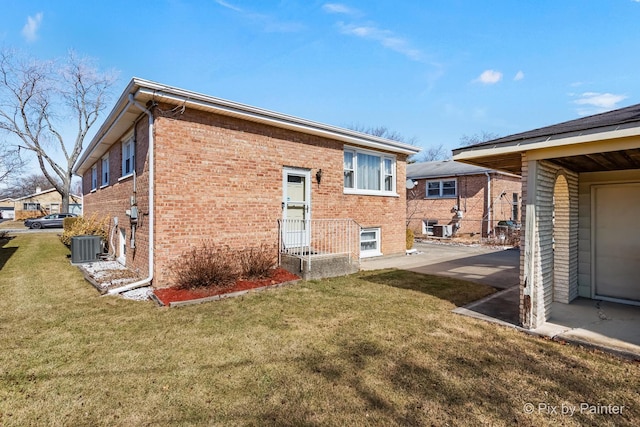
(220, 179)
(471, 200)
(112, 201)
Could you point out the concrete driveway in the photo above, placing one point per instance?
(497, 267)
(604, 325)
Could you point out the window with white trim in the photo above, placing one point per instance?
(31, 206)
(370, 242)
(369, 172)
(128, 157)
(441, 189)
(105, 171)
(94, 177)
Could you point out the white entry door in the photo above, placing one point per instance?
(296, 207)
(616, 241)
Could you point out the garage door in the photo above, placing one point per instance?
(616, 241)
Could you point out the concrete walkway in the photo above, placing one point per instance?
(599, 324)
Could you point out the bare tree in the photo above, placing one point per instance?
(383, 132)
(10, 162)
(39, 99)
(434, 153)
(27, 184)
(483, 136)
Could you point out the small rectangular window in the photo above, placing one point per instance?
(515, 207)
(444, 188)
(94, 177)
(388, 175)
(105, 171)
(348, 169)
(370, 242)
(128, 157)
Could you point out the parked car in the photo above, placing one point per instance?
(509, 224)
(52, 220)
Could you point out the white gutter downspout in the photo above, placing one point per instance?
(489, 200)
(149, 278)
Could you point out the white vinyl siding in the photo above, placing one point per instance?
(369, 172)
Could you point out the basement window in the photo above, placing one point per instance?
(370, 242)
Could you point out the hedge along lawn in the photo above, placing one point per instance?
(375, 348)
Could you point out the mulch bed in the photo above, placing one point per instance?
(168, 295)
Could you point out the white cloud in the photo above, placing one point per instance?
(338, 8)
(228, 5)
(30, 29)
(270, 24)
(489, 77)
(519, 76)
(595, 102)
(385, 37)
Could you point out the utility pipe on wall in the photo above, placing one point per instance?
(149, 277)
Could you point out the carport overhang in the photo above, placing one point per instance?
(594, 150)
(605, 143)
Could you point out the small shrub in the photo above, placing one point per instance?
(410, 238)
(67, 223)
(83, 225)
(257, 263)
(206, 266)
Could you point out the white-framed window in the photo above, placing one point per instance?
(370, 242)
(31, 206)
(105, 171)
(94, 177)
(441, 189)
(515, 207)
(128, 157)
(369, 172)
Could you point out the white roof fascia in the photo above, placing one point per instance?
(144, 90)
(230, 108)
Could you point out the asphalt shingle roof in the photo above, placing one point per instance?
(442, 169)
(610, 118)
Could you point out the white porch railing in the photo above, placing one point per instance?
(318, 238)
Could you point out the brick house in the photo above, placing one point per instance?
(44, 202)
(581, 198)
(172, 168)
(470, 199)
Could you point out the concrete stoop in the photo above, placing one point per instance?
(321, 266)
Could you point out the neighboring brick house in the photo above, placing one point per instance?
(7, 208)
(469, 199)
(43, 203)
(581, 193)
(195, 168)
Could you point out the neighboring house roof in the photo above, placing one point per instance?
(29, 196)
(125, 112)
(446, 168)
(586, 144)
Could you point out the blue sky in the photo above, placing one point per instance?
(431, 69)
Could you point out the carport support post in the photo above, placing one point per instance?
(529, 285)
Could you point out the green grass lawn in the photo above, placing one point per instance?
(376, 348)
